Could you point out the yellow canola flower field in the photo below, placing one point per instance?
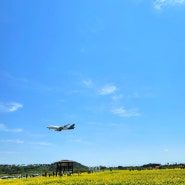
(116, 177)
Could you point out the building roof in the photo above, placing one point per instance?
(64, 161)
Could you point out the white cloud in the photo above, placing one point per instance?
(108, 89)
(87, 83)
(82, 142)
(15, 130)
(10, 107)
(8, 153)
(16, 141)
(122, 112)
(3, 128)
(117, 97)
(159, 4)
(40, 143)
(166, 150)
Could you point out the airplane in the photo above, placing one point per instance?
(60, 128)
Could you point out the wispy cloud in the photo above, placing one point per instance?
(108, 89)
(122, 112)
(19, 141)
(82, 142)
(88, 83)
(159, 4)
(10, 107)
(25, 83)
(166, 150)
(40, 143)
(117, 97)
(16, 141)
(8, 153)
(8, 76)
(3, 128)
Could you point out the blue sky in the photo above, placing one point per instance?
(114, 68)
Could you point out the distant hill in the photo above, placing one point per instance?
(79, 167)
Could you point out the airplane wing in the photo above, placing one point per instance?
(71, 126)
(60, 128)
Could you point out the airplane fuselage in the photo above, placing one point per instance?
(60, 128)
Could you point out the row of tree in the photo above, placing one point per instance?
(36, 169)
(50, 168)
(152, 166)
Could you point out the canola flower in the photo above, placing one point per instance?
(116, 177)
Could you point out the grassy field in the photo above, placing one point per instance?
(145, 177)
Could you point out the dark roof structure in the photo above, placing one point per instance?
(64, 161)
(63, 166)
